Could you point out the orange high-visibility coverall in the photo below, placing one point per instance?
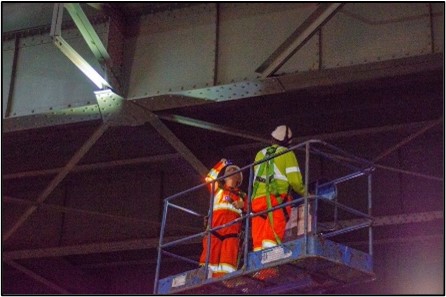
(224, 242)
(286, 174)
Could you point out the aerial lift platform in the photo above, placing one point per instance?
(314, 262)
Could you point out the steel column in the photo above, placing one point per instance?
(161, 240)
(369, 202)
(13, 77)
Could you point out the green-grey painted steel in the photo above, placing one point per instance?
(87, 31)
(322, 13)
(363, 41)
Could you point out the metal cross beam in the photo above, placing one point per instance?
(81, 63)
(57, 179)
(218, 128)
(38, 278)
(84, 249)
(176, 143)
(94, 166)
(299, 37)
(64, 209)
(139, 244)
(88, 32)
(408, 139)
(211, 126)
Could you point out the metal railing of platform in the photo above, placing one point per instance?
(358, 166)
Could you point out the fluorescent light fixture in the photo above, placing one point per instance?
(83, 65)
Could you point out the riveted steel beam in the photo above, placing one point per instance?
(117, 111)
(211, 126)
(92, 248)
(176, 143)
(140, 244)
(300, 36)
(362, 73)
(56, 23)
(81, 63)
(88, 32)
(13, 78)
(199, 124)
(111, 57)
(64, 209)
(391, 220)
(408, 218)
(67, 50)
(241, 90)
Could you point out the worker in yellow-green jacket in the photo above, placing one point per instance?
(272, 181)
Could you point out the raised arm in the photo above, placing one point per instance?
(213, 173)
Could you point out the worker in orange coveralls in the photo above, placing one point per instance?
(227, 206)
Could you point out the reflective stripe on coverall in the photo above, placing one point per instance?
(224, 242)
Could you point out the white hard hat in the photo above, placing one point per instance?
(282, 133)
(233, 168)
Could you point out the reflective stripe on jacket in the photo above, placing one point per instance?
(223, 196)
(286, 173)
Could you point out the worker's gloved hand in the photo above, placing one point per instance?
(205, 221)
(238, 204)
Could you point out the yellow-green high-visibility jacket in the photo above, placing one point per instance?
(286, 173)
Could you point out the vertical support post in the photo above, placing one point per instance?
(248, 217)
(13, 77)
(158, 262)
(320, 60)
(56, 23)
(314, 205)
(431, 21)
(335, 216)
(307, 178)
(217, 41)
(210, 226)
(369, 194)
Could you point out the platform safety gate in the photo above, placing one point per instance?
(311, 263)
